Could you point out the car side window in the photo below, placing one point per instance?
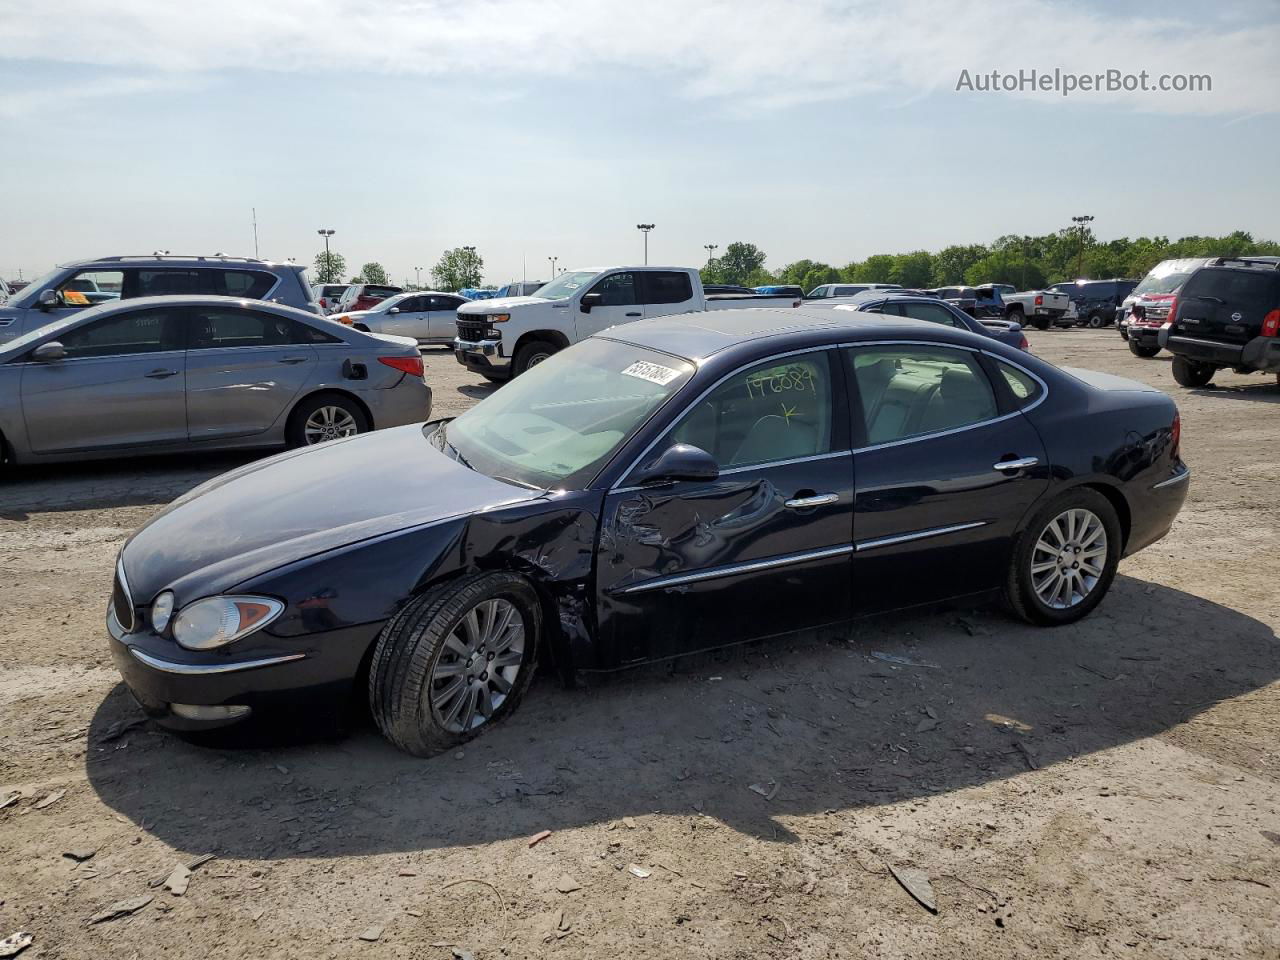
(90, 287)
(930, 312)
(666, 286)
(1025, 388)
(617, 290)
(776, 410)
(908, 391)
(168, 281)
(216, 328)
(412, 304)
(141, 331)
(250, 284)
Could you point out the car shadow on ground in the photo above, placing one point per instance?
(478, 391)
(103, 484)
(1260, 391)
(792, 726)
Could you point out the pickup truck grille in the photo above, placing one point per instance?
(472, 330)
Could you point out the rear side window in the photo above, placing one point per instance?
(909, 391)
(249, 284)
(217, 328)
(930, 312)
(664, 286)
(1256, 291)
(1025, 388)
(172, 282)
(143, 331)
(384, 292)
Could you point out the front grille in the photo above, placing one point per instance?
(121, 601)
(472, 330)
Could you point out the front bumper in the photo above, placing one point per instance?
(483, 356)
(299, 677)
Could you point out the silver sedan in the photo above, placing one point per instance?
(165, 374)
(428, 317)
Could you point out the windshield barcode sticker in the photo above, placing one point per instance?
(653, 372)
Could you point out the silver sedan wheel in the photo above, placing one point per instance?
(1069, 558)
(477, 669)
(329, 423)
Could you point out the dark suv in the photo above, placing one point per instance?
(86, 283)
(1227, 316)
(1097, 301)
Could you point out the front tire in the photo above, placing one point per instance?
(530, 355)
(1189, 373)
(1139, 350)
(326, 416)
(1065, 560)
(1015, 315)
(455, 661)
(1096, 321)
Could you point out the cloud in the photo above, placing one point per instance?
(764, 54)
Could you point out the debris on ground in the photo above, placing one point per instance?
(566, 884)
(916, 883)
(120, 728)
(50, 799)
(14, 944)
(80, 854)
(11, 798)
(178, 880)
(924, 726)
(903, 661)
(121, 908)
(460, 954)
(537, 838)
(1027, 755)
(1271, 835)
(201, 860)
(638, 871)
(628, 823)
(767, 790)
(371, 935)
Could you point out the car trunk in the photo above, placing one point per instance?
(1227, 304)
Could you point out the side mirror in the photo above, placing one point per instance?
(681, 461)
(48, 298)
(590, 300)
(394, 310)
(48, 352)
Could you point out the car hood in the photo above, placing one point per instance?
(276, 511)
(499, 304)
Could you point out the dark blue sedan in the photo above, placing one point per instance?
(666, 486)
(923, 306)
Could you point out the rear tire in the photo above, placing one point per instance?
(1079, 528)
(1138, 350)
(325, 416)
(530, 355)
(1096, 321)
(438, 677)
(1040, 323)
(1189, 373)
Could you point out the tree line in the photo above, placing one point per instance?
(1026, 262)
(457, 269)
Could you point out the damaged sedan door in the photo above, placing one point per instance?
(757, 543)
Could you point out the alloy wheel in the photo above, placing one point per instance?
(329, 423)
(478, 666)
(1069, 558)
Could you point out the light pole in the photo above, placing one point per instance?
(1025, 240)
(417, 277)
(1083, 220)
(645, 228)
(711, 249)
(553, 266)
(328, 264)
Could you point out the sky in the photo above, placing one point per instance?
(827, 129)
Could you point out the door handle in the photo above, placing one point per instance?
(636, 314)
(814, 500)
(161, 374)
(292, 360)
(1012, 466)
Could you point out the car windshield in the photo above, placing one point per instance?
(29, 294)
(557, 424)
(567, 284)
(1167, 283)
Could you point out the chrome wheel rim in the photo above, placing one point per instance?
(329, 423)
(537, 358)
(478, 666)
(1069, 558)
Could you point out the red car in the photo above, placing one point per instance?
(362, 296)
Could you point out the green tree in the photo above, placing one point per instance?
(950, 263)
(739, 263)
(912, 269)
(877, 268)
(458, 268)
(373, 273)
(330, 267)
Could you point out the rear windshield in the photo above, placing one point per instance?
(1168, 283)
(372, 291)
(1252, 290)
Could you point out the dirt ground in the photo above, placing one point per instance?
(1104, 789)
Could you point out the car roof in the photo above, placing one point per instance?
(176, 260)
(697, 336)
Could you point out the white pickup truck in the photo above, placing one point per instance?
(504, 337)
(1040, 308)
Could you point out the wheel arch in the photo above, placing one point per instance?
(330, 391)
(1117, 499)
(551, 336)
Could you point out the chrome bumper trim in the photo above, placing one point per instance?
(208, 669)
(486, 348)
(1180, 478)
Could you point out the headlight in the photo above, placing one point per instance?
(499, 317)
(217, 621)
(161, 611)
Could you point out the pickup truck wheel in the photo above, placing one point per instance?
(1096, 321)
(1189, 373)
(455, 661)
(1138, 350)
(1065, 559)
(1015, 315)
(1040, 323)
(531, 354)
